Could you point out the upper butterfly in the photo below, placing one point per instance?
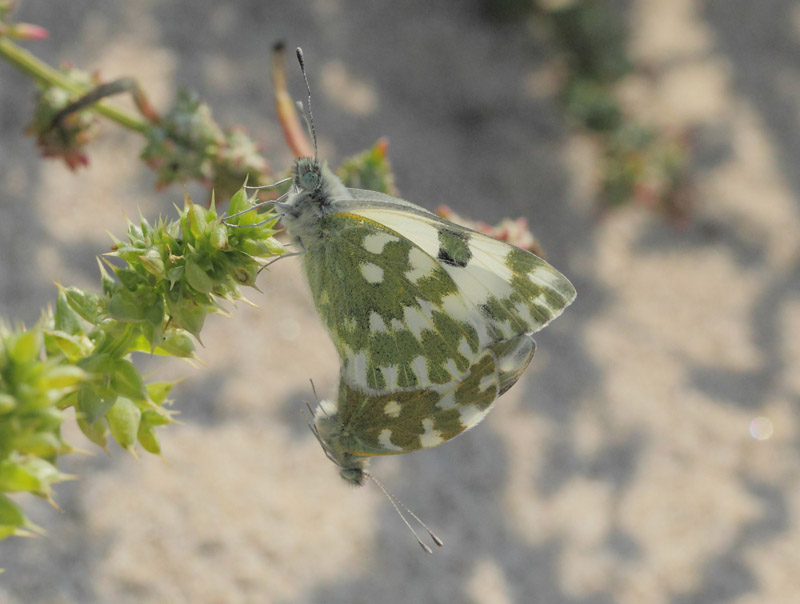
(432, 320)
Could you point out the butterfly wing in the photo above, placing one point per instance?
(512, 289)
(431, 320)
(393, 326)
(420, 418)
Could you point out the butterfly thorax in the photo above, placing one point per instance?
(316, 189)
(338, 443)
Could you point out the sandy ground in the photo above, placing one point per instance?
(623, 468)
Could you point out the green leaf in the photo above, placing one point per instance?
(96, 432)
(124, 307)
(154, 313)
(178, 343)
(41, 444)
(65, 318)
(125, 379)
(219, 237)
(129, 278)
(197, 277)
(158, 391)
(123, 421)
(11, 517)
(175, 274)
(7, 403)
(94, 401)
(239, 202)
(151, 260)
(25, 347)
(62, 376)
(86, 304)
(189, 315)
(147, 437)
(74, 347)
(196, 219)
(28, 473)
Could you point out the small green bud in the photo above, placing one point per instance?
(123, 421)
(196, 220)
(96, 432)
(152, 262)
(147, 437)
(239, 202)
(219, 237)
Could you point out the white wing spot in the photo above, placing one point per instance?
(358, 368)
(451, 368)
(465, 350)
(375, 242)
(544, 275)
(426, 307)
(431, 437)
(415, 321)
(471, 283)
(397, 324)
(372, 272)
(471, 415)
(420, 368)
(390, 376)
(376, 323)
(487, 382)
(392, 409)
(385, 440)
(448, 401)
(421, 265)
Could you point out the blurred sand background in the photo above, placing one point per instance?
(622, 468)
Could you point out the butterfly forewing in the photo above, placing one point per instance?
(512, 289)
(392, 326)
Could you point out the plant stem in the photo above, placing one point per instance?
(44, 73)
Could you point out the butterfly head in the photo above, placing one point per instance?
(334, 439)
(308, 175)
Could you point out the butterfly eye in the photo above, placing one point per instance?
(309, 180)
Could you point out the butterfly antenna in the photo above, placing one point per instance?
(269, 186)
(302, 61)
(315, 432)
(397, 504)
(274, 202)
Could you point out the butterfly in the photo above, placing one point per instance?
(432, 321)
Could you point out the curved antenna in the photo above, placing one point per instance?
(395, 501)
(302, 61)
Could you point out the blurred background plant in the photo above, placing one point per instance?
(641, 163)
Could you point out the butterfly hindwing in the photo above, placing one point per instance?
(411, 419)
